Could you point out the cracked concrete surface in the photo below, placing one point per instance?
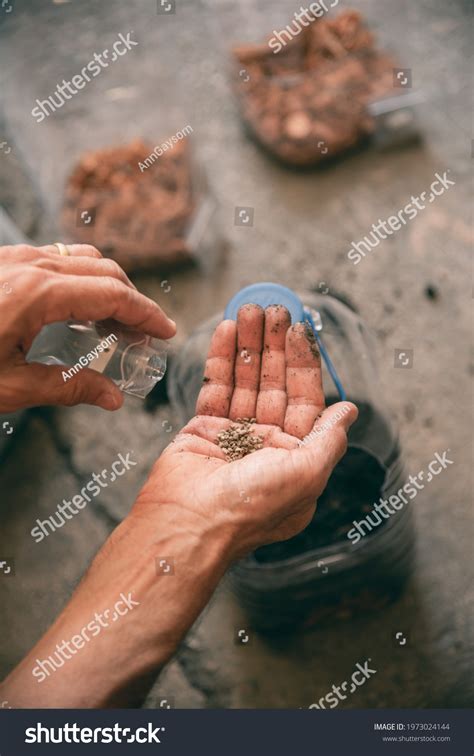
(304, 225)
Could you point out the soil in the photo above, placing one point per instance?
(140, 218)
(308, 102)
(312, 340)
(354, 486)
(239, 440)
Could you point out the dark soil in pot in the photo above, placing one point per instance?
(354, 486)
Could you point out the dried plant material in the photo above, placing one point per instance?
(308, 102)
(139, 218)
(298, 125)
(238, 440)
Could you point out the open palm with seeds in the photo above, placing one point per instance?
(240, 460)
(219, 490)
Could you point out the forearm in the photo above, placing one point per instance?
(116, 664)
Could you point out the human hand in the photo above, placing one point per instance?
(263, 368)
(37, 287)
(201, 510)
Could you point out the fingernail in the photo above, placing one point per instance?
(172, 323)
(110, 401)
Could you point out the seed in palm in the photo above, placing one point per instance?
(239, 440)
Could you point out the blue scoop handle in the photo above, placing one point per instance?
(329, 363)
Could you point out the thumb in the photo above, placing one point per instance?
(337, 417)
(36, 384)
(326, 444)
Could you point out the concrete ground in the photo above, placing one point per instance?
(415, 290)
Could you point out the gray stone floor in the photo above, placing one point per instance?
(304, 225)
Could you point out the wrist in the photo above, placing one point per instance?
(116, 665)
(172, 562)
(152, 524)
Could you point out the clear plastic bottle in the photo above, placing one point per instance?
(133, 360)
(301, 579)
